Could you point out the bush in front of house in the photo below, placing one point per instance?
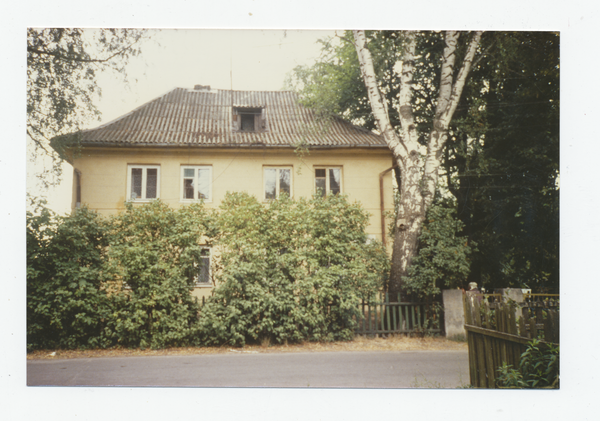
(66, 300)
(94, 282)
(153, 261)
(290, 271)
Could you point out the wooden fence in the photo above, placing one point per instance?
(381, 316)
(499, 332)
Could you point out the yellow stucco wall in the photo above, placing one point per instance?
(104, 175)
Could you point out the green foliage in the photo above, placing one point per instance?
(504, 157)
(538, 367)
(443, 256)
(62, 66)
(291, 270)
(334, 85)
(66, 300)
(154, 256)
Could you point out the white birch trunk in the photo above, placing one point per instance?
(418, 176)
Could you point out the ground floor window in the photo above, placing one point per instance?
(204, 271)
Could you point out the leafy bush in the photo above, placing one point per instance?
(154, 259)
(66, 300)
(291, 270)
(443, 257)
(538, 367)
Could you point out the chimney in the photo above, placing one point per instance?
(202, 88)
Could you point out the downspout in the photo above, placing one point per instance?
(381, 204)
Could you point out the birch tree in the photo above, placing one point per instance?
(418, 168)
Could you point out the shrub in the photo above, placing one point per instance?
(66, 300)
(538, 367)
(154, 259)
(291, 270)
(443, 257)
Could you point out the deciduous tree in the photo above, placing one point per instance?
(62, 69)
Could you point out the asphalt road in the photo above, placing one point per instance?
(406, 369)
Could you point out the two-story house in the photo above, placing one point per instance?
(197, 144)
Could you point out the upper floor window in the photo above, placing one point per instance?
(196, 182)
(248, 119)
(277, 181)
(328, 181)
(143, 182)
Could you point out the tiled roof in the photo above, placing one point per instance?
(203, 117)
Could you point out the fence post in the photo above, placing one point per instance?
(516, 295)
(454, 314)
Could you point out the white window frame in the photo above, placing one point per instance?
(277, 178)
(207, 284)
(144, 169)
(182, 178)
(327, 179)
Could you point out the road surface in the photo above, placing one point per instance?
(428, 369)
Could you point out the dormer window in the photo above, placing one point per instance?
(248, 119)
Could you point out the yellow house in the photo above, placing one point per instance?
(197, 144)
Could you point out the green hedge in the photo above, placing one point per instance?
(289, 271)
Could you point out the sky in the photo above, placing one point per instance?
(181, 58)
(577, 21)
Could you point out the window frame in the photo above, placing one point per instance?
(259, 119)
(277, 179)
(327, 178)
(182, 178)
(208, 283)
(144, 168)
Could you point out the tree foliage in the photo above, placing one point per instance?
(504, 162)
(62, 67)
(291, 271)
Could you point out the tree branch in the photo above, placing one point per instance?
(378, 104)
(461, 78)
(78, 59)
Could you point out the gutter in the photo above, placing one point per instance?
(381, 204)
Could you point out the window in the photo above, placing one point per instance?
(277, 180)
(203, 278)
(143, 182)
(196, 182)
(328, 181)
(248, 119)
(77, 176)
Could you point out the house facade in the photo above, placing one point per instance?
(197, 144)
